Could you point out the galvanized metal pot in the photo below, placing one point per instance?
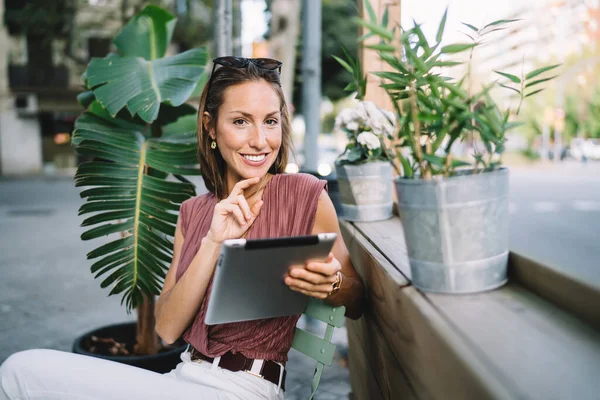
(365, 191)
(456, 231)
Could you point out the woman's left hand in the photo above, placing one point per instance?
(316, 278)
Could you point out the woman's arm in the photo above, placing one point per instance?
(316, 279)
(179, 301)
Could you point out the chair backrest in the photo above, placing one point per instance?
(315, 347)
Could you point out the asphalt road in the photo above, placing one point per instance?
(555, 217)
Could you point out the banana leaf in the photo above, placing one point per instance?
(121, 197)
(143, 85)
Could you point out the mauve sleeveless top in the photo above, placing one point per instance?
(290, 204)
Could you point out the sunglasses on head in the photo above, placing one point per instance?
(241, 62)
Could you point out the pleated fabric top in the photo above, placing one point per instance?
(290, 204)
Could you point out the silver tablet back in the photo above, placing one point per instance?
(248, 281)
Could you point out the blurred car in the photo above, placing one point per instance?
(582, 149)
(330, 146)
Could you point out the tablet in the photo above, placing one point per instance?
(249, 282)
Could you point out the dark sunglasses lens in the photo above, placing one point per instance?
(231, 62)
(267, 63)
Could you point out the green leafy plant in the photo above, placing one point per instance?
(435, 111)
(359, 80)
(142, 137)
(366, 126)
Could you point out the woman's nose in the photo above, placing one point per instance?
(258, 138)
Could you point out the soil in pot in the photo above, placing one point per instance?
(116, 343)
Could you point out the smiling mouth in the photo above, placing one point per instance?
(256, 158)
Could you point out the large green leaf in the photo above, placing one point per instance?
(142, 85)
(86, 98)
(123, 199)
(147, 35)
(186, 125)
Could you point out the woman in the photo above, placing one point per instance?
(244, 139)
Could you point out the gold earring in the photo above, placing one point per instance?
(213, 145)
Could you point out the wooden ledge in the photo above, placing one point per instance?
(508, 343)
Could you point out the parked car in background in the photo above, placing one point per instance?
(330, 147)
(585, 149)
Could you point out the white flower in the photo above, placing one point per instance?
(390, 116)
(381, 121)
(360, 113)
(352, 126)
(366, 115)
(346, 119)
(368, 139)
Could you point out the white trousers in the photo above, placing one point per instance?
(58, 375)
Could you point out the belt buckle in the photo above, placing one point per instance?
(252, 365)
(254, 373)
(195, 358)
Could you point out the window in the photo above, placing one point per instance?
(98, 47)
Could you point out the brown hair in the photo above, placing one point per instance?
(212, 163)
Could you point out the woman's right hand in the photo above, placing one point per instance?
(233, 216)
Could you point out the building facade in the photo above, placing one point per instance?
(44, 49)
(546, 31)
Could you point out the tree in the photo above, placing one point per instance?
(143, 136)
(40, 22)
(337, 28)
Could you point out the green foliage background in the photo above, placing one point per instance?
(337, 28)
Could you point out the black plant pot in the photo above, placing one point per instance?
(162, 362)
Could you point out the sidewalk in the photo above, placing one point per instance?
(48, 295)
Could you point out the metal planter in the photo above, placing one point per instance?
(365, 191)
(456, 231)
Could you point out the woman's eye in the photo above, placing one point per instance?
(239, 122)
(271, 122)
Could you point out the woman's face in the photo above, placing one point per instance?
(248, 130)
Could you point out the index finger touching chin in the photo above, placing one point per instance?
(243, 184)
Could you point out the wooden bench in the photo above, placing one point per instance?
(538, 337)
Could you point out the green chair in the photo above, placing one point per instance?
(315, 347)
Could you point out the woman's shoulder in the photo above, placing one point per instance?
(197, 201)
(304, 188)
(193, 207)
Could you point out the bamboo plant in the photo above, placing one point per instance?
(141, 136)
(435, 111)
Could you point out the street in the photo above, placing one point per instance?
(555, 217)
